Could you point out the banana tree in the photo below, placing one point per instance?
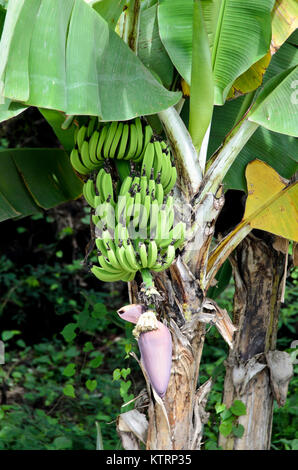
(217, 112)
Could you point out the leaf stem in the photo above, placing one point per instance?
(248, 99)
(225, 156)
(186, 158)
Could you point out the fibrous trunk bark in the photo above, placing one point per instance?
(255, 372)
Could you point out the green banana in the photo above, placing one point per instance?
(120, 252)
(81, 136)
(143, 254)
(117, 137)
(101, 246)
(158, 158)
(152, 253)
(102, 136)
(133, 142)
(172, 180)
(85, 157)
(107, 265)
(123, 142)
(76, 162)
(107, 187)
(106, 276)
(113, 259)
(159, 192)
(93, 146)
(148, 159)
(148, 133)
(89, 192)
(139, 130)
(131, 256)
(109, 138)
(143, 186)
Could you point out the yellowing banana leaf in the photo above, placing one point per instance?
(239, 35)
(35, 179)
(284, 22)
(63, 56)
(276, 106)
(271, 205)
(251, 79)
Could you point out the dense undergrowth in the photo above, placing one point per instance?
(67, 363)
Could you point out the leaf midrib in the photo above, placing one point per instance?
(218, 32)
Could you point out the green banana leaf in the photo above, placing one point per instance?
(6, 109)
(63, 56)
(35, 179)
(293, 39)
(202, 87)
(284, 59)
(278, 150)
(110, 10)
(150, 48)
(276, 107)
(10, 109)
(239, 35)
(2, 18)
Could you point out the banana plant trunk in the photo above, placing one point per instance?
(255, 372)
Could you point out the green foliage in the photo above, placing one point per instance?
(121, 376)
(26, 186)
(81, 78)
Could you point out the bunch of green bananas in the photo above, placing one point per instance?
(131, 140)
(96, 142)
(134, 219)
(137, 230)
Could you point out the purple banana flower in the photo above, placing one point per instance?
(155, 347)
(131, 312)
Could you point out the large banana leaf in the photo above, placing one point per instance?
(284, 59)
(284, 20)
(110, 10)
(63, 56)
(278, 150)
(35, 179)
(150, 48)
(239, 34)
(276, 107)
(9, 109)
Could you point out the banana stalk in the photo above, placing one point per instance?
(186, 158)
